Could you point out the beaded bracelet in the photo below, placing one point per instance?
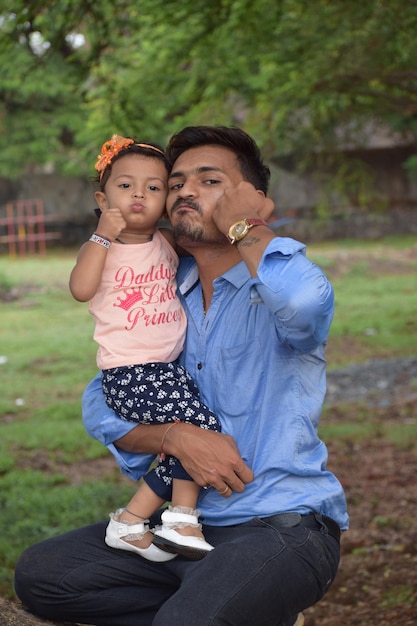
(102, 241)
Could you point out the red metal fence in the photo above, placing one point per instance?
(23, 228)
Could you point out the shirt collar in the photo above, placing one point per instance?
(236, 276)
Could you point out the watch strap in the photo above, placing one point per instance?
(255, 221)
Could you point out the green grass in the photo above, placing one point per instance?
(400, 595)
(48, 356)
(36, 505)
(383, 307)
(369, 423)
(375, 297)
(45, 335)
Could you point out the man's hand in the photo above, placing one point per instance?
(239, 202)
(212, 459)
(234, 205)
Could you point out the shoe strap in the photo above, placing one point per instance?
(124, 529)
(171, 519)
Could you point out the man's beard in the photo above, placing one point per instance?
(188, 232)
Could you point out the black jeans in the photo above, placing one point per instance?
(263, 572)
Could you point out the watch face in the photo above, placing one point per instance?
(239, 229)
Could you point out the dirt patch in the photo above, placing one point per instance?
(342, 350)
(377, 580)
(376, 261)
(43, 461)
(12, 614)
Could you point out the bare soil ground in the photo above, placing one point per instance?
(377, 580)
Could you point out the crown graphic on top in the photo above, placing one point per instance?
(132, 296)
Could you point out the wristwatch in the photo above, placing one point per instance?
(240, 229)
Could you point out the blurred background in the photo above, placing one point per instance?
(327, 88)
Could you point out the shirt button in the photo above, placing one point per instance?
(199, 366)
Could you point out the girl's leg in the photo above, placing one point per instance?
(184, 493)
(168, 393)
(181, 531)
(184, 497)
(143, 504)
(128, 528)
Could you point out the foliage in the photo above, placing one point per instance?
(300, 76)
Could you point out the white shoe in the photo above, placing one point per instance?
(116, 532)
(167, 538)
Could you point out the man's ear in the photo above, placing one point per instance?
(101, 200)
(267, 208)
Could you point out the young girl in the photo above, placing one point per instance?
(127, 273)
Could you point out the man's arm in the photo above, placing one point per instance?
(104, 426)
(296, 291)
(210, 458)
(244, 201)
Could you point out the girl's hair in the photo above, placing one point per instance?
(119, 146)
(251, 164)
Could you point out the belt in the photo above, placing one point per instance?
(314, 521)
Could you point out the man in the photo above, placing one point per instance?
(258, 319)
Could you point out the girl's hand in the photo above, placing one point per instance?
(111, 224)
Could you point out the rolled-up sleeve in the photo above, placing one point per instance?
(297, 292)
(104, 425)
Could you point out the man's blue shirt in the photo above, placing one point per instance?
(258, 360)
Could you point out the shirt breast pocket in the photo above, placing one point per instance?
(240, 379)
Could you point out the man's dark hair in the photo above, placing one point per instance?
(251, 164)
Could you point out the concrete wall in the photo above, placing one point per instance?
(71, 201)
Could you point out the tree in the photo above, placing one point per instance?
(300, 76)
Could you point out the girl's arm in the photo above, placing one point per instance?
(86, 275)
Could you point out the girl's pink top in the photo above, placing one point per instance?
(138, 316)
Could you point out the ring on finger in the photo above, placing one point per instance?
(221, 493)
